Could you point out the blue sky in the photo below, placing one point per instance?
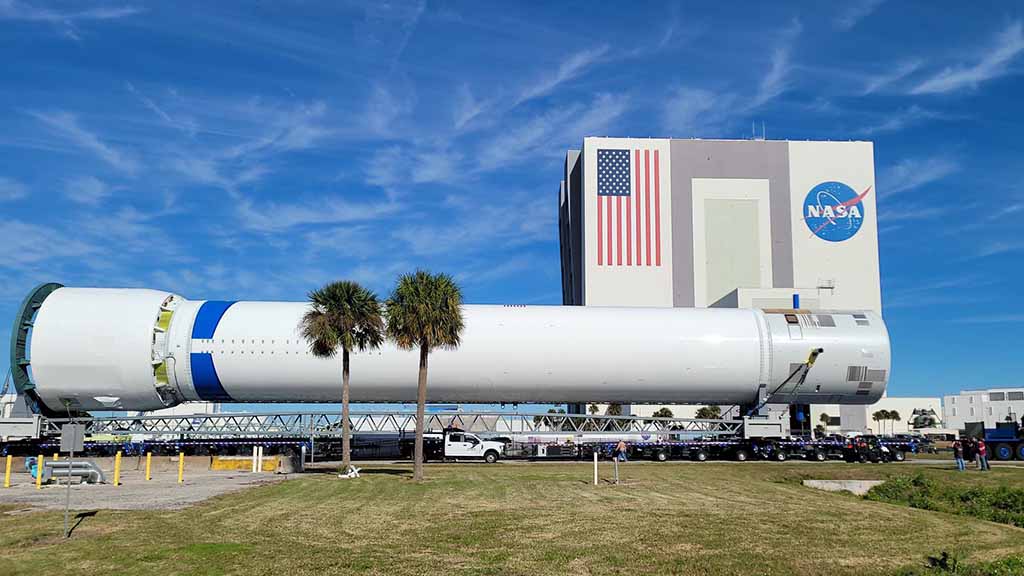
(222, 150)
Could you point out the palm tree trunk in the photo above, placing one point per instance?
(346, 428)
(421, 408)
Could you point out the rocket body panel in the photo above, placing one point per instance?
(94, 344)
(92, 347)
(508, 354)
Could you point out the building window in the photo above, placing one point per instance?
(954, 410)
(972, 410)
(953, 401)
(989, 410)
(1015, 395)
(997, 396)
(970, 399)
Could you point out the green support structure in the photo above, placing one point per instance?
(20, 359)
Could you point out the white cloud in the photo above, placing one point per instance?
(913, 173)
(856, 11)
(991, 64)
(279, 217)
(776, 81)
(599, 116)
(86, 190)
(877, 82)
(550, 132)
(65, 20)
(524, 139)
(992, 319)
(13, 10)
(476, 226)
(11, 190)
(383, 109)
(467, 107)
(67, 125)
(693, 112)
(27, 244)
(569, 69)
(998, 247)
(394, 165)
(899, 120)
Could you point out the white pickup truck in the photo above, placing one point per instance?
(458, 445)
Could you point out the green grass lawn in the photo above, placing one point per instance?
(713, 518)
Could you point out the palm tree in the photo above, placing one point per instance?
(708, 413)
(880, 416)
(894, 416)
(424, 312)
(347, 316)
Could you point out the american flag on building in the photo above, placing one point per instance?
(628, 218)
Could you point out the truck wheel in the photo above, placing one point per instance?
(700, 456)
(1020, 451)
(741, 456)
(779, 456)
(899, 456)
(818, 456)
(661, 456)
(1003, 452)
(491, 457)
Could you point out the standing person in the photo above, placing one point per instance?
(982, 456)
(968, 451)
(958, 454)
(620, 451)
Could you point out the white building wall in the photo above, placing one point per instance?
(851, 265)
(614, 278)
(978, 406)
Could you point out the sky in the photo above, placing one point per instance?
(256, 151)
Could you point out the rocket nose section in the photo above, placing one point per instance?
(101, 349)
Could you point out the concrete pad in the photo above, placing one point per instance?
(135, 492)
(858, 487)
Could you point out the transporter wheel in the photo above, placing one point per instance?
(899, 456)
(700, 456)
(491, 457)
(818, 456)
(741, 456)
(660, 456)
(779, 456)
(1020, 451)
(1003, 452)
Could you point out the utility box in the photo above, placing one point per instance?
(754, 427)
(72, 438)
(20, 428)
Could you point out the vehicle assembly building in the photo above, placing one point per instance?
(719, 223)
(88, 349)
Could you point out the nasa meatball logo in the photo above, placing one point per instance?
(833, 211)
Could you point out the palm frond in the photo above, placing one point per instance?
(342, 315)
(425, 309)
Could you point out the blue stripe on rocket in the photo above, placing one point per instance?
(204, 373)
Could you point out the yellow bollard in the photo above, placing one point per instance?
(56, 456)
(117, 469)
(39, 472)
(149, 460)
(181, 467)
(7, 472)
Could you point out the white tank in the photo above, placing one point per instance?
(131, 349)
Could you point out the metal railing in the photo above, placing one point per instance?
(323, 424)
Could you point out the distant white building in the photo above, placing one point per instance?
(989, 406)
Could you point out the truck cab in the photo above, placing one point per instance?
(458, 444)
(455, 444)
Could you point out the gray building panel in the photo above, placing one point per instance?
(758, 159)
